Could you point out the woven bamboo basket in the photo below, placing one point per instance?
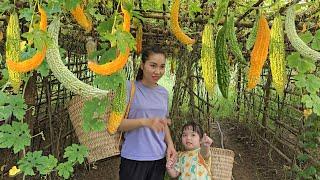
(100, 144)
(221, 163)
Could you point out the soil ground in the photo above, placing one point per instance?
(252, 158)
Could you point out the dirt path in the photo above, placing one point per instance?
(252, 159)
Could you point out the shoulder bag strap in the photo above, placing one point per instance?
(132, 92)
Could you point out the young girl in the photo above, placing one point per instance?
(147, 136)
(195, 162)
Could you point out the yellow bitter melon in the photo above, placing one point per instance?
(295, 40)
(277, 55)
(118, 106)
(13, 49)
(208, 62)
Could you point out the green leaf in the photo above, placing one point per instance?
(65, 169)
(43, 69)
(28, 53)
(312, 83)
(315, 44)
(92, 116)
(54, 6)
(18, 106)
(124, 40)
(28, 162)
(93, 124)
(5, 6)
(301, 64)
(317, 35)
(300, 80)
(76, 153)
(46, 164)
(106, 26)
(194, 8)
(26, 13)
(312, 101)
(16, 135)
(306, 37)
(5, 113)
(71, 4)
(108, 55)
(109, 82)
(35, 160)
(5, 76)
(4, 98)
(307, 100)
(96, 14)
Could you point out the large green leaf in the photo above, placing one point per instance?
(312, 83)
(16, 136)
(76, 153)
(65, 169)
(301, 64)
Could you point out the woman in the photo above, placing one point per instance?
(147, 136)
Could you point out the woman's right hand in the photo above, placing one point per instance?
(157, 124)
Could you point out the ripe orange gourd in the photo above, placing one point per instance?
(117, 64)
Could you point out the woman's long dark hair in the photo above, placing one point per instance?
(145, 55)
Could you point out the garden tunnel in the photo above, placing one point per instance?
(274, 134)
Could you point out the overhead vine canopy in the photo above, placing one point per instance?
(268, 43)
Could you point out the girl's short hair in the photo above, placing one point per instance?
(195, 128)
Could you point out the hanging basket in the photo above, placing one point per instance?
(221, 163)
(100, 144)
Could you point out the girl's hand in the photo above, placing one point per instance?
(170, 163)
(171, 153)
(206, 141)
